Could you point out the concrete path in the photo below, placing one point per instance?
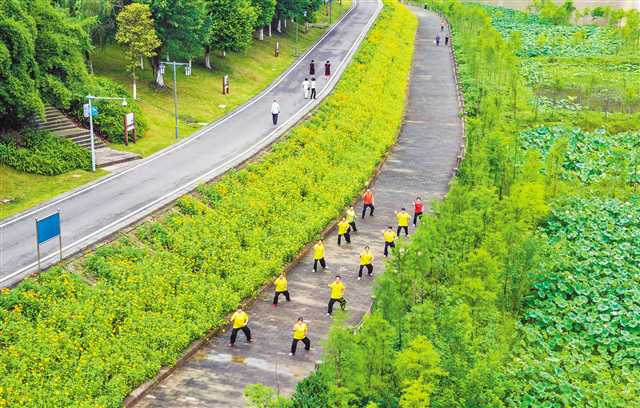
(420, 164)
(93, 213)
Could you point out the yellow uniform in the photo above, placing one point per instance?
(337, 289)
(300, 331)
(403, 218)
(281, 284)
(389, 236)
(343, 226)
(366, 257)
(239, 319)
(351, 215)
(318, 251)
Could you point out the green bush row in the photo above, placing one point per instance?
(86, 339)
(39, 152)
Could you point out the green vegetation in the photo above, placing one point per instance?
(86, 337)
(40, 152)
(521, 289)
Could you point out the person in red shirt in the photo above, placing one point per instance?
(418, 207)
(367, 199)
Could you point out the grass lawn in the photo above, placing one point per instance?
(19, 191)
(200, 100)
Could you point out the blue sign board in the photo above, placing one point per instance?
(94, 111)
(48, 227)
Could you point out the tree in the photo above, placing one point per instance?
(137, 34)
(179, 25)
(418, 368)
(229, 26)
(265, 9)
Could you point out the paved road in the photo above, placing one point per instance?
(95, 212)
(421, 163)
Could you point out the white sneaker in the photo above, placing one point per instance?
(359, 278)
(290, 354)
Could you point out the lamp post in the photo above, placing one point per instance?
(187, 72)
(304, 13)
(90, 98)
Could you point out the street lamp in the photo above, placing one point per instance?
(93, 144)
(187, 72)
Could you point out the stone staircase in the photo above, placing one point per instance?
(60, 125)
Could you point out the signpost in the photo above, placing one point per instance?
(225, 85)
(129, 124)
(277, 49)
(48, 228)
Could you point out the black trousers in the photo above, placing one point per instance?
(322, 263)
(277, 295)
(417, 216)
(347, 237)
(388, 245)
(313, 93)
(342, 302)
(446, 40)
(406, 231)
(274, 116)
(369, 270)
(353, 226)
(294, 344)
(245, 330)
(364, 209)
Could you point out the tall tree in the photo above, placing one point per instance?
(229, 26)
(265, 10)
(137, 34)
(179, 25)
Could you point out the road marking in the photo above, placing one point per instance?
(297, 115)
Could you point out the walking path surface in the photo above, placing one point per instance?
(93, 213)
(420, 164)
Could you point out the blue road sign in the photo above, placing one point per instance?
(48, 227)
(94, 111)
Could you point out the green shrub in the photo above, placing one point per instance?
(41, 152)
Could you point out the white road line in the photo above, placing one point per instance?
(296, 116)
(189, 139)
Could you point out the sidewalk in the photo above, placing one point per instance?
(420, 164)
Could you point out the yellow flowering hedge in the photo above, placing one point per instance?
(87, 339)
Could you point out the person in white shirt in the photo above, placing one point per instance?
(313, 88)
(305, 88)
(275, 111)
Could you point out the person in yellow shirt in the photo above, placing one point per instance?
(300, 330)
(366, 261)
(389, 239)
(403, 221)
(337, 294)
(239, 320)
(318, 256)
(343, 231)
(351, 218)
(281, 289)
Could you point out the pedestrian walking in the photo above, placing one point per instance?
(403, 218)
(313, 88)
(366, 261)
(438, 40)
(275, 111)
(343, 231)
(318, 255)
(389, 240)
(327, 69)
(418, 208)
(312, 68)
(281, 289)
(351, 219)
(367, 200)
(446, 40)
(306, 88)
(442, 25)
(240, 320)
(300, 331)
(337, 294)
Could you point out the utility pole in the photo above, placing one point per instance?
(187, 72)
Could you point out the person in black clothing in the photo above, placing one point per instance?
(312, 68)
(327, 69)
(446, 40)
(313, 88)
